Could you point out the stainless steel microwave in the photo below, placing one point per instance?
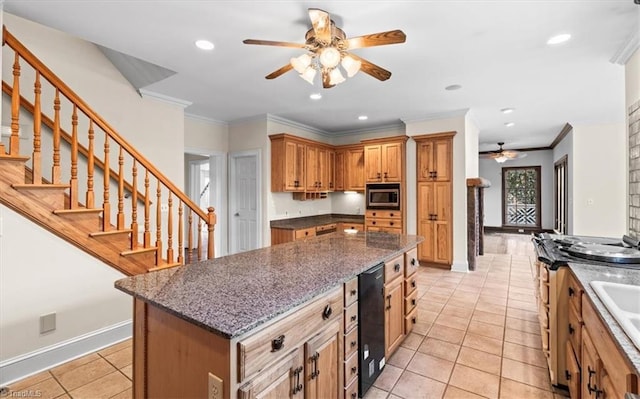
(383, 196)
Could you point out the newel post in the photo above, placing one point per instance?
(211, 222)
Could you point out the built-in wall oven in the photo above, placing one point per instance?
(383, 196)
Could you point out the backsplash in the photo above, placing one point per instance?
(285, 207)
(634, 170)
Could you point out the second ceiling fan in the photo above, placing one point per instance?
(503, 155)
(328, 47)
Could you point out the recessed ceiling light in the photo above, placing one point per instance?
(453, 87)
(557, 39)
(363, 117)
(509, 124)
(315, 96)
(204, 45)
(506, 110)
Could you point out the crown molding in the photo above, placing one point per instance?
(288, 122)
(375, 129)
(206, 119)
(437, 115)
(566, 129)
(628, 48)
(164, 98)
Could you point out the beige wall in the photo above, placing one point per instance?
(632, 79)
(207, 136)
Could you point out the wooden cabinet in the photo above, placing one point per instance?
(384, 160)
(350, 343)
(354, 226)
(434, 222)
(393, 304)
(316, 169)
(287, 164)
(283, 380)
(354, 169)
(434, 174)
(323, 365)
(386, 221)
(280, 236)
(410, 285)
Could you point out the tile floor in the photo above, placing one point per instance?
(477, 337)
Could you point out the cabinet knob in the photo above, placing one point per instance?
(354, 292)
(396, 267)
(354, 317)
(354, 369)
(326, 313)
(571, 292)
(571, 329)
(354, 395)
(277, 343)
(391, 214)
(413, 261)
(306, 233)
(374, 222)
(567, 375)
(373, 214)
(413, 283)
(413, 320)
(390, 223)
(413, 301)
(354, 343)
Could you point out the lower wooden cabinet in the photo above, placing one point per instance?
(434, 222)
(394, 315)
(572, 372)
(323, 364)
(283, 380)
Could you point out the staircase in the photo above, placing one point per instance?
(131, 217)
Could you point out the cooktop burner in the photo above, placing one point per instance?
(604, 253)
(573, 240)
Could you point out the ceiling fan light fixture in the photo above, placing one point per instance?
(501, 159)
(300, 64)
(335, 77)
(351, 65)
(309, 74)
(330, 57)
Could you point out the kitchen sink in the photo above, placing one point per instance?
(623, 301)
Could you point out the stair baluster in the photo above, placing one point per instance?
(106, 206)
(55, 169)
(120, 217)
(90, 165)
(146, 239)
(14, 140)
(36, 160)
(190, 237)
(199, 240)
(134, 205)
(180, 234)
(73, 183)
(170, 230)
(158, 224)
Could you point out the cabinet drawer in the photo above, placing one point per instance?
(572, 372)
(350, 291)
(393, 268)
(574, 330)
(258, 350)
(284, 369)
(411, 263)
(544, 273)
(545, 340)
(384, 214)
(410, 320)
(544, 292)
(410, 301)
(543, 315)
(351, 343)
(350, 369)
(304, 233)
(350, 317)
(331, 226)
(351, 392)
(352, 226)
(385, 229)
(385, 223)
(575, 293)
(410, 285)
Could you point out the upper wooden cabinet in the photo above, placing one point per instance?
(339, 161)
(384, 159)
(287, 164)
(354, 168)
(434, 156)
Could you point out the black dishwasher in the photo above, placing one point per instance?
(371, 327)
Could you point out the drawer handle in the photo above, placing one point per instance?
(593, 388)
(277, 343)
(314, 363)
(567, 375)
(326, 313)
(354, 317)
(354, 395)
(413, 301)
(354, 343)
(413, 261)
(571, 329)
(298, 387)
(354, 292)
(413, 283)
(396, 267)
(388, 302)
(571, 291)
(413, 320)
(354, 369)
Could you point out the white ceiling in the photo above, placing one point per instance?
(495, 49)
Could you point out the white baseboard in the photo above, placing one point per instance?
(19, 367)
(461, 267)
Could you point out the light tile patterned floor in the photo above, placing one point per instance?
(477, 337)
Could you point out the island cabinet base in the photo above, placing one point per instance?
(174, 358)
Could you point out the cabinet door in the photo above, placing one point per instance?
(311, 173)
(322, 169)
(291, 182)
(393, 316)
(338, 170)
(392, 162)
(425, 160)
(300, 166)
(572, 371)
(442, 250)
(355, 170)
(323, 364)
(283, 380)
(331, 170)
(425, 201)
(590, 367)
(441, 162)
(442, 222)
(373, 163)
(441, 205)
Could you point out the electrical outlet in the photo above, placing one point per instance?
(47, 323)
(520, 230)
(216, 387)
(164, 207)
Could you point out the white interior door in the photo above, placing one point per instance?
(244, 203)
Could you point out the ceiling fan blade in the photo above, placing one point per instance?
(372, 69)
(377, 39)
(279, 72)
(321, 22)
(273, 43)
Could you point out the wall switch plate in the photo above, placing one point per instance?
(164, 208)
(47, 323)
(216, 387)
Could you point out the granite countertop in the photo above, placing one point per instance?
(234, 294)
(312, 221)
(587, 273)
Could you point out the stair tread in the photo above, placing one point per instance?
(109, 233)
(20, 158)
(165, 266)
(39, 186)
(76, 211)
(138, 251)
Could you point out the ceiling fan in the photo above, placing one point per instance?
(503, 155)
(327, 47)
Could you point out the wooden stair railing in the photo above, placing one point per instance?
(125, 218)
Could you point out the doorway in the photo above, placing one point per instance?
(245, 226)
(561, 194)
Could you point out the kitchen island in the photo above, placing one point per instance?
(258, 321)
